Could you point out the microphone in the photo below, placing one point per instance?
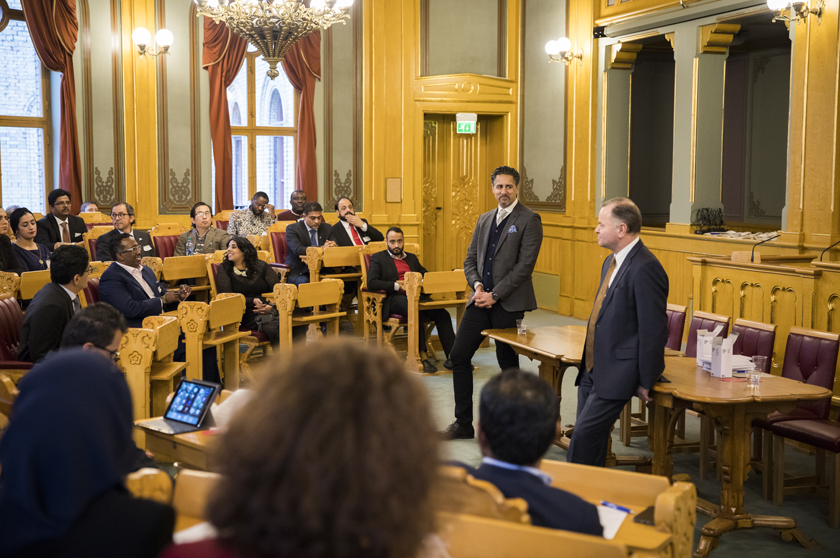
(752, 255)
(829, 248)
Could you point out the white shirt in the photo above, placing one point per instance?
(620, 257)
(61, 229)
(309, 231)
(507, 210)
(137, 274)
(73, 296)
(347, 227)
(545, 478)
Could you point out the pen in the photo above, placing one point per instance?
(615, 506)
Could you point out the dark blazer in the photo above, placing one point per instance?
(103, 251)
(549, 507)
(8, 260)
(119, 289)
(46, 317)
(297, 240)
(383, 274)
(48, 232)
(516, 256)
(632, 327)
(340, 237)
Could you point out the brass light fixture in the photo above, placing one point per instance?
(142, 38)
(785, 10)
(274, 26)
(561, 51)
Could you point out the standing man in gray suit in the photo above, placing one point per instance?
(499, 264)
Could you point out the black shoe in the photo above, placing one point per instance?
(456, 431)
(448, 364)
(428, 367)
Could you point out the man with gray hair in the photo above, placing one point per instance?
(122, 215)
(624, 350)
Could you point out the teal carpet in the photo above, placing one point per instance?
(809, 511)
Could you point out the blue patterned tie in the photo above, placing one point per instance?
(313, 237)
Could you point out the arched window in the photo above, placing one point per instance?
(236, 118)
(275, 109)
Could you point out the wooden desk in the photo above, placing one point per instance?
(731, 406)
(555, 347)
(191, 448)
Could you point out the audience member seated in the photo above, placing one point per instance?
(328, 482)
(54, 305)
(89, 207)
(253, 220)
(122, 215)
(132, 288)
(205, 238)
(30, 255)
(244, 273)
(98, 328)
(65, 456)
(8, 260)
(352, 230)
(310, 231)
(59, 227)
(518, 415)
(296, 202)
(389, 267)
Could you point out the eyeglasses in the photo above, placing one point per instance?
(202, 214)
(115, 355)
(119, 215)
(135, 248)
(89, 270)
(62, 203)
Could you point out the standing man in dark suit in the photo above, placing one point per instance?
(499, 264)
(59, 227)
(55, 304)
(122, 215)
(625, 339)
(310, 231)
(387, 269)
(351, 230)
(518, 415)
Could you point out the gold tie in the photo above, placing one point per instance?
(596, 309)
(65, 233)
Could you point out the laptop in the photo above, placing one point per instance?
(189, 409)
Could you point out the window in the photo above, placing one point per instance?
(263, 119)
(24, 117)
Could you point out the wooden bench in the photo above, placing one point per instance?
(214, 325)
(288, 297)
(179, 268)
(440, 284)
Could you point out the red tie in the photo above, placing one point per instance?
(356, 240)
(65, 233)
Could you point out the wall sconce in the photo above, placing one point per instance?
(142, 38)
(785, 10)
(561, 51)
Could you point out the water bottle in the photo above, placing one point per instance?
(190, 245)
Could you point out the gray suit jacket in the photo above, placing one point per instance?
(516, 256)
(216, 239)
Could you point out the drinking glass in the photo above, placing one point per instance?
(521, 328)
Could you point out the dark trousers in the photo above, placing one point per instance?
(595, 417)
(469, 338)
(442, 319)
(298, 280)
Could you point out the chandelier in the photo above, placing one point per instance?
(273, 26)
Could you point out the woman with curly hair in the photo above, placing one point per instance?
(328, 462)
(244, 273)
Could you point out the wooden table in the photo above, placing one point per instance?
(191, 448)
(731, 406)
(555, 347)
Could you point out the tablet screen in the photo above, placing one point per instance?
(189, 402)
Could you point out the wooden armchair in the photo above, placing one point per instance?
(91, 238)
(11, 319)
(433, 283)
(459, 492)
(9, 283)
(275, 241)
(31, 282)
(179, 268)
(165, 238)
(192, 490)
(155, 264)
(288, 297)
(8, 394)
(214, 325)
(222, 219)
(150, 484)
(371, 301)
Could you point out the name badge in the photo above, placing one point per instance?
(366, 239)
(147, 248)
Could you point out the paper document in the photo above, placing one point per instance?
(223, 413)
(611, 520)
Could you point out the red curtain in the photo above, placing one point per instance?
(223, 54)
(54, 30)
(303, 66)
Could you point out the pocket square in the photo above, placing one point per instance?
(512, 229)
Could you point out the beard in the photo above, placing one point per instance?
(256, 211)
(396, 251)
(344, 217)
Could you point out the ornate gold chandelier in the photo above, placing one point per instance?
(273, 26)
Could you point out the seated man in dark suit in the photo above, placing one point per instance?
(518, 415)
(54, 305)
(297, 200)
(389, 267)
(351, 230)
(310, 231)
(122, 215)
(59, 227)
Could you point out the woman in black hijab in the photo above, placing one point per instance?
(64, 459)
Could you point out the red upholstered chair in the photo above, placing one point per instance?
(222, 225)
(11, 320)
(92, 291)
(222, 219)
(707, 321)
(824, 435)
(91, 238)
(165, 245)
(810, 357)
(676, 326)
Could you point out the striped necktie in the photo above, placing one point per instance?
(596, 309)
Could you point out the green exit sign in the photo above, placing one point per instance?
(466, 127)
